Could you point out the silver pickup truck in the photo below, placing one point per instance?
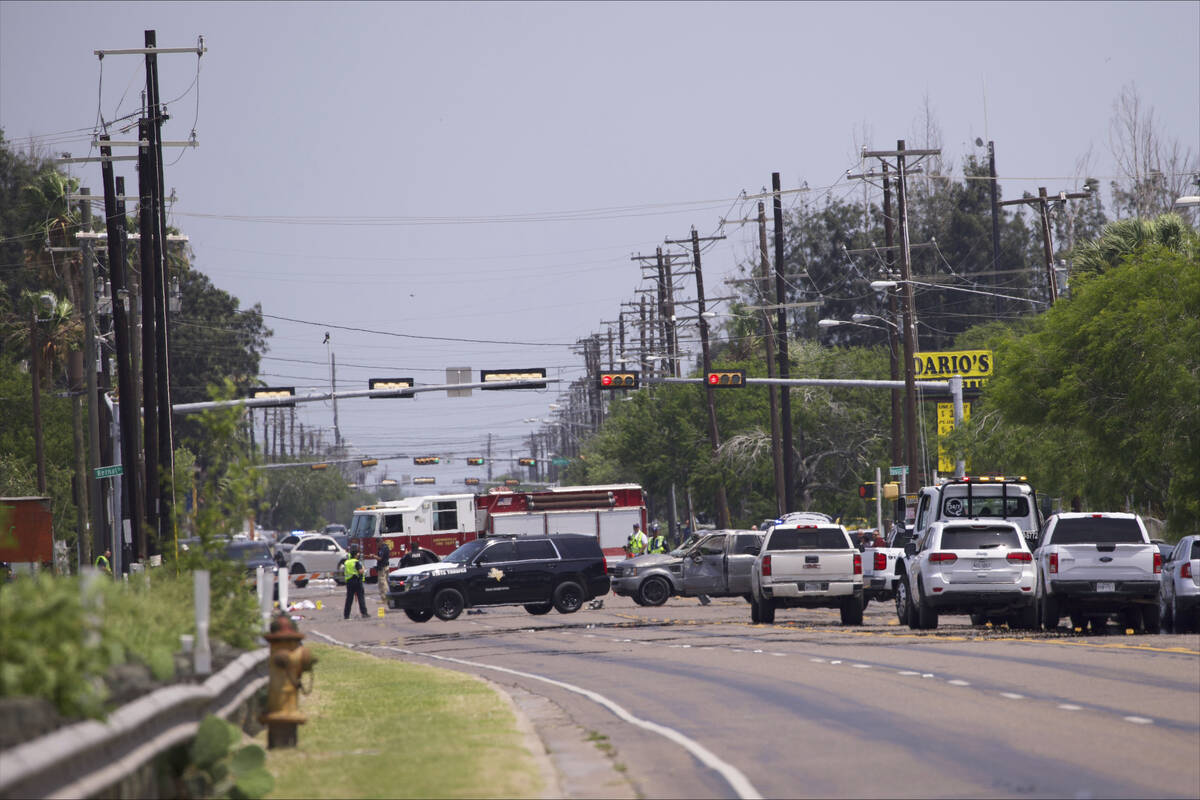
(807, 564)
(715, 564)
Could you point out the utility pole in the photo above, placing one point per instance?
(127, 397)
(785, 400)
(991, 149)
(893, 315)
(1042, 201)
(89, 370)
(714, 435)
(148, 227)
(769, 339)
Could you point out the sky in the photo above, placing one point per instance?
(486, 171)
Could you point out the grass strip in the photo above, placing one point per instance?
(383, 728)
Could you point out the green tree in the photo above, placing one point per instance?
(1098, 398)
(1123, 238)
(301, 498)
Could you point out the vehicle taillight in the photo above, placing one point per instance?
(880, 561)
(766, 565)
(1157, 562)
(1186, 570)
(605, 562)
(945, 558)
(858, 563)
(1020, 557)
(1054, 562)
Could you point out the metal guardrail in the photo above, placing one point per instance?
(84, 759)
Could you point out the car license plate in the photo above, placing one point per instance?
(1106, 586)
(982, 563)
(813, 587)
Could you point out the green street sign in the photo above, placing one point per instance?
(109, 472)
(896, 472)
(560, 462)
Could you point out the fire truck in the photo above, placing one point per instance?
(440, 523)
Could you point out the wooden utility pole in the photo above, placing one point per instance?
(127, 397)
(907, 305)
(769, 340)
(89, 366)
(893, 316)
(995, 194)
(785, 399)
(1042, 201)
(148, 228)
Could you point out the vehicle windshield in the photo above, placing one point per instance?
(1097, 530)
(343, 541)
(362, 525)
(808, 539)
(465, 553)
(1196, 549)
(986, 506)
(686, 545)
(247, 551)
(980, 537)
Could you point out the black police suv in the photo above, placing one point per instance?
(561, 571)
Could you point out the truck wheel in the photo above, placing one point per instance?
(418, 614)
(537, 609)
(1166, 614)
(979, 620)
(749, 597)
(568, 597)
(1050, 613)
(447, 604)
(755, 611)
(1151, 622)
(654, 591)
(852, 611)
(865, 601)
(927, 617)
(766, 610)
(904, 609)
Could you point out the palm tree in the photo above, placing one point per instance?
(1124, 237)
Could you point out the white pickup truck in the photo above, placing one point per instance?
(806, 564)
(1010, 500)
(879, 566)
(1093, 565)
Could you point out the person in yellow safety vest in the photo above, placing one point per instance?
(637, 541)
(354, 574)
(103, 563)
(658, 542)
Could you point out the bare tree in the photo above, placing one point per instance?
(1153, 171)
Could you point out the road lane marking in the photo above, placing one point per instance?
(959, 682)
(1012, 695)
(861, 666)
(733, 776)
(1070, 707)
(907, 672)
(1139, 720)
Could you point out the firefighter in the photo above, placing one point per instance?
(104, 562)
(658, 542)
(637, 541)
(354, 573)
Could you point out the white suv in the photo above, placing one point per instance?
(977, 567)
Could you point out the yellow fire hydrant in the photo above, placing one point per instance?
(288, 661)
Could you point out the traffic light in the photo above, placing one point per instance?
(891, 491)
(866, 491)
(392, 383)
(527, 462)
(511, 482)
(282, 393)
(319, 466)
(488, 375)
(471, 481)
(424, 461)
(475, 462)
(417, 481)
(620, 380)
(369, 462)
(727, 378)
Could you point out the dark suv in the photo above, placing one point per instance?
(562, 571)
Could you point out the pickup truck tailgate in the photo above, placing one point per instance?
(1105, 562)
(795, 572)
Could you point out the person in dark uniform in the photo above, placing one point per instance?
(381, 567)
(354, 573)
(415, 556)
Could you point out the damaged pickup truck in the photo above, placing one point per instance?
(716, 564)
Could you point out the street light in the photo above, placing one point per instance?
(881, 286)
(862, 318)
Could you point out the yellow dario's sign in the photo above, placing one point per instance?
(975, 366)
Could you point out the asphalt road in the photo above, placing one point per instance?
(809, 708)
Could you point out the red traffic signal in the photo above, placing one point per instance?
(620, 380)
(866, 491)
(526, 462)
(425, 460)
(475, 461)
(727, 378)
